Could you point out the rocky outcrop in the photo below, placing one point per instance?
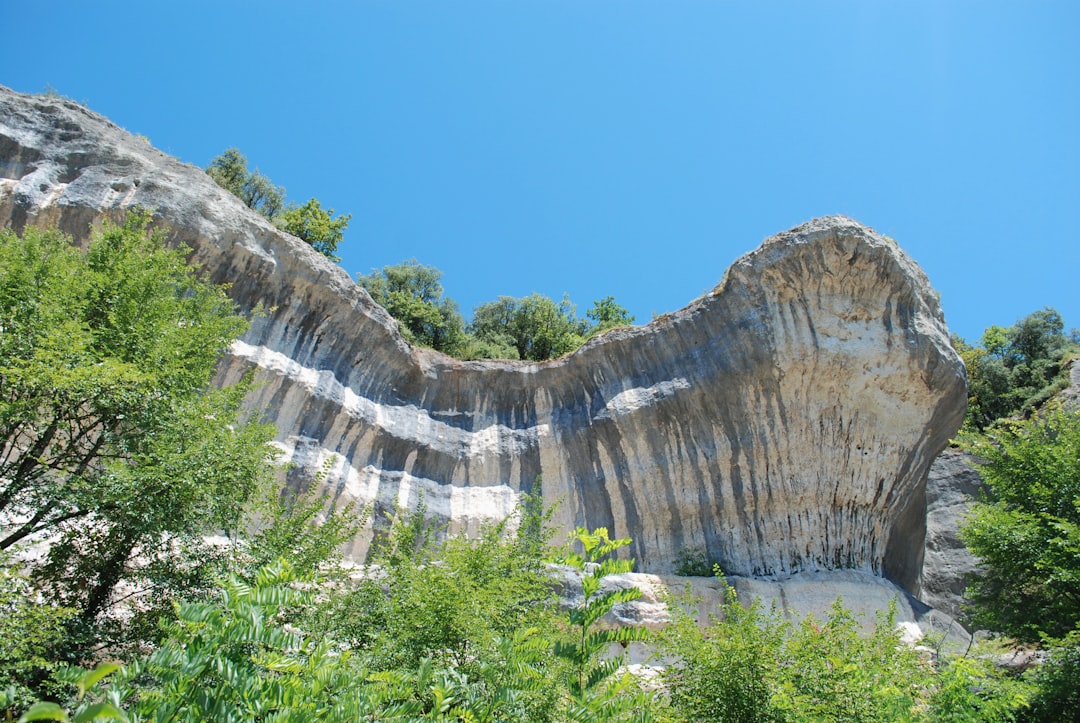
(951, 486)
(782, 423)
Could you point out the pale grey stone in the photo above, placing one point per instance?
(784, 422)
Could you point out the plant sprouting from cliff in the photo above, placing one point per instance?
(693, 562)
(310, 222)
(258, 193)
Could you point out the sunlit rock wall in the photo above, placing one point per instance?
(784, 422)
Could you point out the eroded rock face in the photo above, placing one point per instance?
(783, 423)
(951, 486)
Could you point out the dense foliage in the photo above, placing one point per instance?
(458, 630)
(316, 226)
(230, 171)
(112, 444)
(1015, 369)
(533, 327)
(253, 652)
(1026, 533)
(309, 222)
(537, 327)
(413, 294)
(755, 665)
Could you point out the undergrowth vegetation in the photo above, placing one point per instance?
(119, 460)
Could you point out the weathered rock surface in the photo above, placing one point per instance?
(1070, 396)
(783, 423)
(951, 486)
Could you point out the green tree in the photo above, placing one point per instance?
(607, 314)
(538, 327)
(315, 226)
(413, 294)
(258, 193)
(310, 222)
(111, 440)
(1013, 370)
(1026, 533)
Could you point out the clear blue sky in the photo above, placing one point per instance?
(617, 147)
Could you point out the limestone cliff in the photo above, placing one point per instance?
(784, 422)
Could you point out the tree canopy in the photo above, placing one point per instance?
(310, 222)
(536, 326)
(413, 294)
(111, 440)
(1015, 369)
(316, 226)
(258, 193)
(606, 314)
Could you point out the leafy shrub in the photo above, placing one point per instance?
(753, 665)
(692, 562)
(1026, 534)
(1056, 696)
(31, 631)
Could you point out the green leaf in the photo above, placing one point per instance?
(101, 711)
(44, 711)
(91, 677)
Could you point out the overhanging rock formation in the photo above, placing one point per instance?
(784, 422)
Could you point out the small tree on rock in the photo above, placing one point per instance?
(316, 226)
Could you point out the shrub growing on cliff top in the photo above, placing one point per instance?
(258, 193)
(315, 226)
(310, 223)
(534, 328)
(413, 294)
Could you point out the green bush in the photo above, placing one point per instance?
(1056, 696)
(1026, 533)
(693, 562)
(752, 665)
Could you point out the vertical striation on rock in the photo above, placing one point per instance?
(784, 422)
